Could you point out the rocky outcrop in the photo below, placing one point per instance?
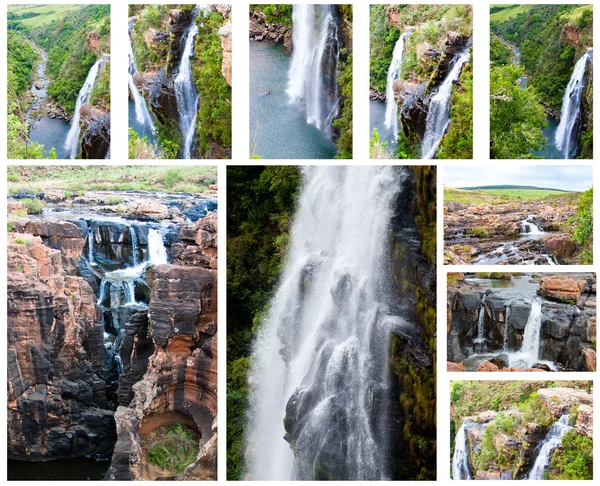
(147, 210)
(561, 288)
(95, 133)
(169, 356)
(560, 400)
(57, 401)
(261, 30)
(226, 44)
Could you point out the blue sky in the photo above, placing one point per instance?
(570, 178)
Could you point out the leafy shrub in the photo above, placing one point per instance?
(172, 177)
(34, 206)
(173, 449)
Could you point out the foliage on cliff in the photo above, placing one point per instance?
(21, 62)
(343, 124)
(279, 14)
(517, 116)
(551, 39)
(583, 226)
(575, 460)
(214, 114)
(260, 203)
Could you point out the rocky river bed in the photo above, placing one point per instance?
(112, 330)
(523, 233)
(532, 322)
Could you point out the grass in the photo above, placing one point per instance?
(189, 179)
(34, 206)
(47, 13)
(501, 196)
(509, 12)
(578, 12)
(172, 448)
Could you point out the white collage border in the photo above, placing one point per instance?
(240, 148)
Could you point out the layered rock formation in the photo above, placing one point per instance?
(57, 400)
(261, 30)
(170, 359)
(567, 333)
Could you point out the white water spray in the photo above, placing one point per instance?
(142, 114)
(553, 440)
(460, 459)
(438, 116)
(319, 360)
(312, 78)
(185, 90)
(157, 253)
(394, 72)
(72, 141)
(569, 128)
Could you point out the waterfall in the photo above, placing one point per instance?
(72, 141)
(185, 90)
(157, 253)
(141, 110)
(529, 228)
(129, 292)
(530, 348)
(460, 459)
(481, 323)
(134, 246)
(394, 71)
(91, 247)
(438, 116)
(552, 441)
(507, 326)
(320, 357)
(312, 78)
(569, 128)
(102, 292)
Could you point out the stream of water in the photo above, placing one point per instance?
(319, 361)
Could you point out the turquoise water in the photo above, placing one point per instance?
(282, 132)
(141, 129)
(550, 151)
(377, 109)
(51, 132)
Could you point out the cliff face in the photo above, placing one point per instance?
(169, 355)
(57, 401)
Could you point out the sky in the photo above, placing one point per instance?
(568, 178)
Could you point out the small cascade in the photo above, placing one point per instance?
(185, 90)
(507, 326)
(552, 441)
(438, 116)
(394, 72)
(529, 353)
(481, 324)
(91, 247)
(134, 246)
(157, 253)
(102, 292)
(72, 141)
(569, 128)
(129, 291)
(529, 228)
(312, 78)
(142, 113)
(460, 459)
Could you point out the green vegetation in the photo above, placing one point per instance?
(575, 459)
(75, 37)
(172, 448)
(504, 195)
(551, 39)
(279, 14)
(343, 125)
(214, 115)
(260, 201)
(433, 23)
(583, 224)
(34, 206)
(78, 179)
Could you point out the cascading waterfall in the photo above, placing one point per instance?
(530, 228)
(185, 90)
(129, 291)
(319, 360)
(481, 324)
(530, 347)
(157, 253)
(312, 78)
(134, 246)
(553, 440)
(438, 116)
(460, 459)
(142, 114)
(102, 291)
(569, 128)
(91, 246)
(394, 72)
(507, 325)
(72, 141)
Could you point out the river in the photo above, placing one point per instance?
(283, 131)
(377, 109)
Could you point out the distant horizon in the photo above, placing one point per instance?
(505, 186)
(575, 178)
